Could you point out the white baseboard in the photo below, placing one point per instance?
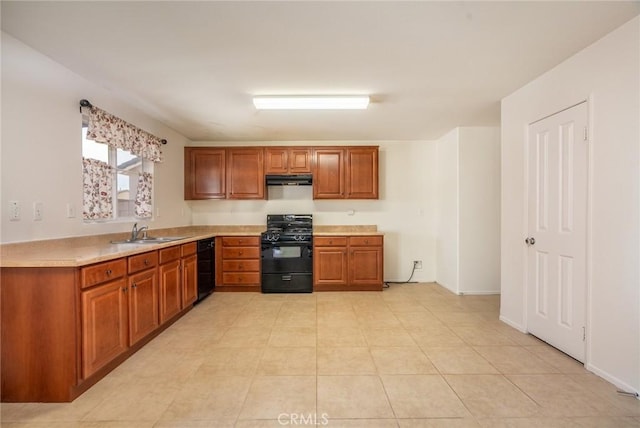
(515, 325)
(447, 287)
(478, 293)
(622, 386)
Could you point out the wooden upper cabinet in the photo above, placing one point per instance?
(204, 173)
(361, 173)
(328, 173)
(340, 172)
(245, 173)
(345, 172)
(287, 160)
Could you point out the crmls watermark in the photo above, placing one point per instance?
(303, 419)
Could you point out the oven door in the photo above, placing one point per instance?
(287, 257)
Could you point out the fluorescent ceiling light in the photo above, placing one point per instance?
(354, 102)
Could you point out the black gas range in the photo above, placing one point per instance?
(287, 254)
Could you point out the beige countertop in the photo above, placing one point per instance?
(346, 230)
(86, 250)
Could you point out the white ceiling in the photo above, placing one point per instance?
(429, 66)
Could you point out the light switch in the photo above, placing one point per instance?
(38, 208)
(71, 210)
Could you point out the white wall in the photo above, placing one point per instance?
(607, 74)
(447, 206)
(41, 148)
(479, 210)
(468, 210)
(404, 212)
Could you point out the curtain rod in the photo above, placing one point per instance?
(87, 103)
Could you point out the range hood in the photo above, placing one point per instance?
(288, 180)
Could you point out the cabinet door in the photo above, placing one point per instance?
(299, 160)
(328, 173)
(276, 160)
(204, 173)
(365, 266)
(361, 178)
(330, 266)
(287, 160)
(170, 290)
(104, 325)
(143, 304)
(245, 173)
(189, 280)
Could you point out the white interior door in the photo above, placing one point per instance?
(556, 289)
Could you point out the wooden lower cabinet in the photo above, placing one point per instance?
(170, 289)
(104, 325)
(330, 263)
(178, 273)
(41, 344)
(366, 261)
(189, 266)
(348, 263)
(143, 304)
(238, 263)
(64, 328)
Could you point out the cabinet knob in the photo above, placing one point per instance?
(240, 266)
(240, 252)
(330, 242)
(366, 241)
(134, 285)
(124, 289)
(108, 272)
(146, 262)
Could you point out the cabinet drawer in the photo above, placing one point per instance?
(188, 249)
(240, 253)
(326, 241)
(244, 278)
(169, 254)
(142, 261)
(236, 241)
(241, 266)
(365, 240)
(102, 272)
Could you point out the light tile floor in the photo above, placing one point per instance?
(414, 355)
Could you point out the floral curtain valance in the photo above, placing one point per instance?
(109, 129)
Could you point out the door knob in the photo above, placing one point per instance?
(530, 241)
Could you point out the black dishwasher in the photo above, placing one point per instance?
(206, 267)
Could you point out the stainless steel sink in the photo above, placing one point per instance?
(150, 240)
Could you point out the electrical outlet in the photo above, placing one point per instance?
(14, 210)
(417, 264)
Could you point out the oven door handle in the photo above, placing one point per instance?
(286, 277)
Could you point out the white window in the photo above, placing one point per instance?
(127, 167)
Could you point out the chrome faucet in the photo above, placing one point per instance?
(135, 231)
